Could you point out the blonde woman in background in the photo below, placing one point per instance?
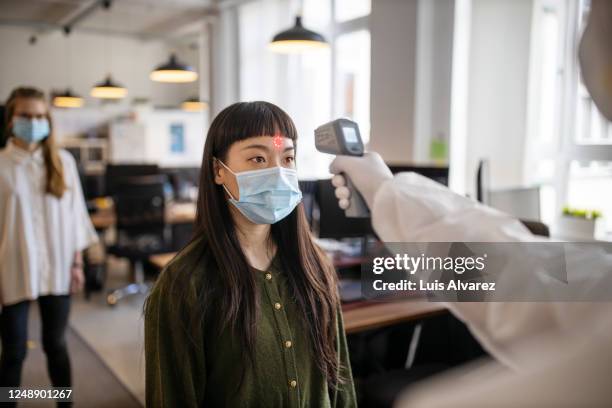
(44, 226)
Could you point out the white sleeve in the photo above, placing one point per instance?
(85, 233)
(411, 208)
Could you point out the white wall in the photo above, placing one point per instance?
(459, 95)
(393, 25)
(434, 62)
(412, 53)
(44, 65)
(497, 90)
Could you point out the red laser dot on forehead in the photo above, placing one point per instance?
(277, 142)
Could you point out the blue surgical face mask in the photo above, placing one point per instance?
(266, 196)
(30, 130)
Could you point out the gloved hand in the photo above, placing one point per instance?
(367, 173)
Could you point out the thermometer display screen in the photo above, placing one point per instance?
(350, 134)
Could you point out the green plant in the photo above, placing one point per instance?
(581, 213)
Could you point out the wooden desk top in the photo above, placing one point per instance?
(365, 315)
(103, 219)
(176, 213)
(161, 260)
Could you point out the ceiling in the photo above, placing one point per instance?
(138, 18)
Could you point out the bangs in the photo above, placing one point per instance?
(243, 120)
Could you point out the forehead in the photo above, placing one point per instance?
(30, 105)
(270, 141)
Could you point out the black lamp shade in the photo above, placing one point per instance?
(297, 39)
(194, 105)
(67, 99)
(108, 83)
(174, 71)
(108, 89)
(298, 33)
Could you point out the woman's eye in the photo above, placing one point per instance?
(290, 159)
(258, 159)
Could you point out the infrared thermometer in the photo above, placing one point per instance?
(342, 138)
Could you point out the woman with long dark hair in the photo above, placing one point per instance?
(248, 313)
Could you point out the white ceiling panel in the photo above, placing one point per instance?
(130, 17)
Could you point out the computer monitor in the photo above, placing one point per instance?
(2, 127)
(115, 173)
(522, 202)
(309, 192)
(483, 178)
(332, 221)
(182, 180)
(439, 174)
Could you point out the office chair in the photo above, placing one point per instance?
(141, 228)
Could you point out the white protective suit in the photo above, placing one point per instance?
(559, 353)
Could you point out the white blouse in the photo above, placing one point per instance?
(39, 233)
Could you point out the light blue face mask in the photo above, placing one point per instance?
(266, 196)
(31, 130)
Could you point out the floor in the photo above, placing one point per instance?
(94, 383)
(115, 334)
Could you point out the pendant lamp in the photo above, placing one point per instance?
(67, 99)
(297, 39)
(108, 89)
(193, 105)
(174, 71)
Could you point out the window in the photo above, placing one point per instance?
(569, 147)
(588, 150)
(591, 126)
(352, 79)
(345, 10)
(545, 103)
(589, 187)
(314, 87)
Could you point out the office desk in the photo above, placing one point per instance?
(367, 315)
(161, 260)
(340, 261)
(364, 315)
(176, 213)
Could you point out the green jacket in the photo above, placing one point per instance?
(204, 368)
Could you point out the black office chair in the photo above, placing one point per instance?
(141, 228)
